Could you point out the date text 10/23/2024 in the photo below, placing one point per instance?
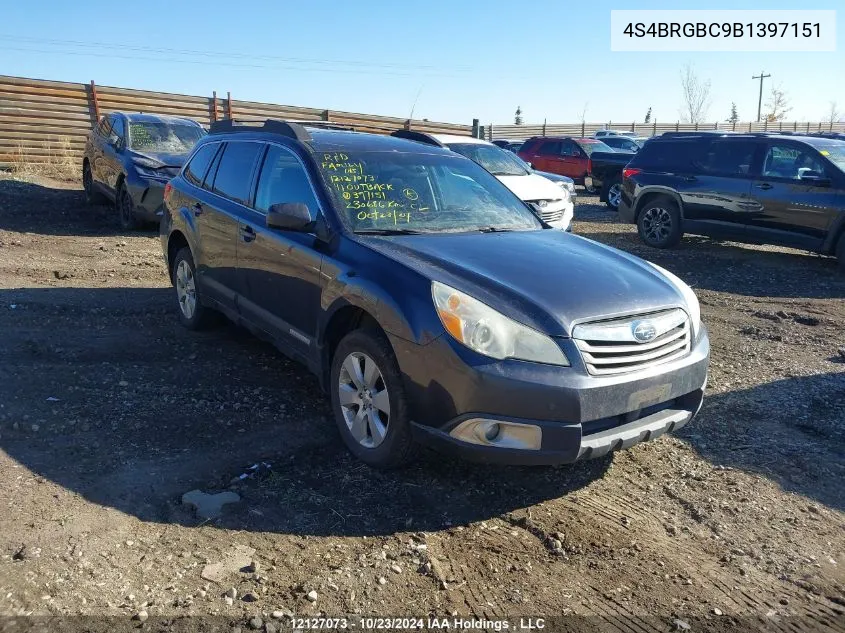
(365, 623)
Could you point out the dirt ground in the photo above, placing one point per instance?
(110, 411)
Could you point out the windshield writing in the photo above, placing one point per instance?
(149, 136)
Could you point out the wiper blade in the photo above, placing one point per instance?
(389, 232)
(494, 229)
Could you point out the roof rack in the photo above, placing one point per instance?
(328, 125)
(420, 137)
(285, 128)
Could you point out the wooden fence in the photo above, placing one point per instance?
(651, 129)
(47, 122)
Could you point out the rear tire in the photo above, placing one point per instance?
(659, 223)
(368, 401)
(612, 194)
(192, 313)
(92, 196)
(840, 253)
(125, 209)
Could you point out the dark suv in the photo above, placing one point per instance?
(129, 158)
(787, 190)
(405, 276)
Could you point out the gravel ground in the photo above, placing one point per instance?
(110, 411)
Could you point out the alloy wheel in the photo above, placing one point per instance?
(186, 290)
(614, 195)
(657, 224)
(125, 209)
(364, 399)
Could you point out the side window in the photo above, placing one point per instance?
(110, 131)
(196, 169)
(549, 148)
(103, 127)
(234, 171)
(283, 179)
(569, 148)
(118, 130)
(728, 158)
(788, 161)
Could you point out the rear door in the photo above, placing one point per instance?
(796, 194)
(280, 270)
(716, 188)
(547, 157)
(218, 215)
(574, 160)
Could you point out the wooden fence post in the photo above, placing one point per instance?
(544, 127)
(407, 124)
(583, 129)
(490, 132)
(229, 105)
(213, 106)
(654, 128)
(95, 102)
(327, 115)
(677, 126)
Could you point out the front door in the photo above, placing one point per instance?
(797, 196)
(547, 157)
(280, 270)
(573, 160)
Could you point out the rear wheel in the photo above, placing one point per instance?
(659, 223)
(368, 401)
(613, 193)
(125, 209)
(192, 314)
(92, 196)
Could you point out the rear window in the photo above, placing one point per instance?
(728, 158)
(594, 146)
(668, 155)
(834, 152)
(234, 173)
(197, 168)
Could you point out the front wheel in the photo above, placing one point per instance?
(368, 401)
(613, 194)
(125, 209)
(659, 223)
(92, 196)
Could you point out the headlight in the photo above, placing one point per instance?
(150, 173)
(689, 296)
(481, 328)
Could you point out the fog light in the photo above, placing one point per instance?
(499, 434)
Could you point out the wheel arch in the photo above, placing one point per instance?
(345, 318)
(175, 242)
(656, 192)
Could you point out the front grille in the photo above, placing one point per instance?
(611, 347)
(542, 208)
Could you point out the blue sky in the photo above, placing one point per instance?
(458, 60)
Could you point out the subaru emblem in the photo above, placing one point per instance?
(643, 331)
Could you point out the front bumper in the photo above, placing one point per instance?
(147, 198)
(565, 223)
(579, 416)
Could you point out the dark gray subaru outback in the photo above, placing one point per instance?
(432, 304)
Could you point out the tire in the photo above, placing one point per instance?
(840, 253)
(612, 194)
(659, 223)
(382, 439)
(92, 196)
(192, 314)
(590, 190)
(125, 209)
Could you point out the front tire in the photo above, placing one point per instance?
(125, 209)
(368, 401)
(192, 314)
(92, 196)
(659, 223)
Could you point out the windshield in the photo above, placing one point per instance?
(595, 146)
(498, 161)
(169, 138)
(834, 152)
(414, 192)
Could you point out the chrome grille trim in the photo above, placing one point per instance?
(609, 347)
(545, 213)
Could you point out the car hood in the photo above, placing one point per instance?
(532, 187)
(547, 279)
(164, 158)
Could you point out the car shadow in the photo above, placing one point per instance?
(56, 209)
(791, 431)
(109, 397)
(736, 268)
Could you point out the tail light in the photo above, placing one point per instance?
(630, 171)
(589, 165)
(167, 189)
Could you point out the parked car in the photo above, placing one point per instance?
(605, 175)
(603, 134)
(787, 190)
(128, 159)
(562, 155)
(550, 201)
(624, 143)
(432, 305)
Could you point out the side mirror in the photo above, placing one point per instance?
(290, 216)
(815, 178)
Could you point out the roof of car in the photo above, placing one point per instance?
(456, 138)
(323, 140)
(137, 117)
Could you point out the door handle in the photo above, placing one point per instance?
(690, 178)
(247, 233)
(764, 186)
(197, 209)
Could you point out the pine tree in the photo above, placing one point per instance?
(647, 116)
(734, 118)
(517, 119)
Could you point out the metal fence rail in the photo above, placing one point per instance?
(47, 122)
(494, 131)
